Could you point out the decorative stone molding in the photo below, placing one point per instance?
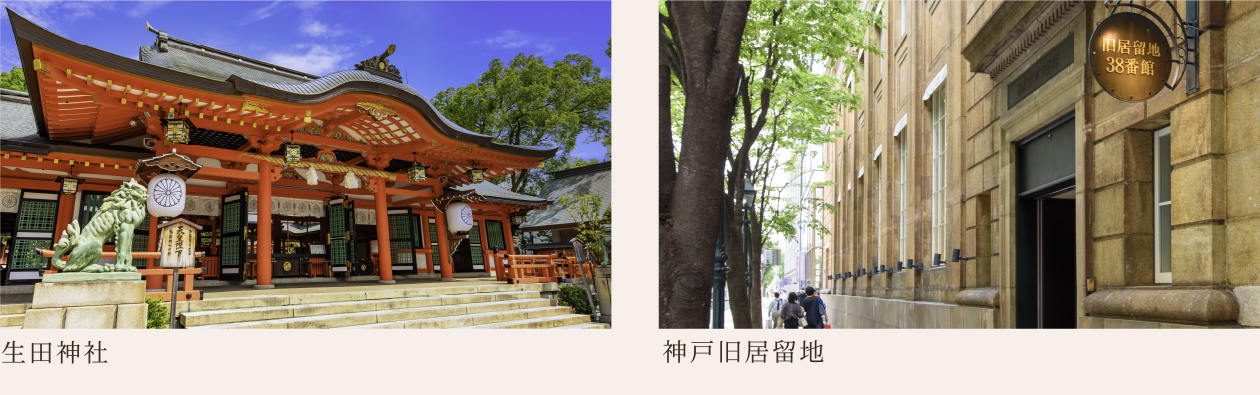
(1001, 43)
(1192, 306)
(979, 298)
(9, 200)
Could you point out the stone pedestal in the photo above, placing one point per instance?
(88, 301)
(603, 291)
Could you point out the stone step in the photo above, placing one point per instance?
(469, 319)
(384, 316)
(332, 297)
(10, 327)
(12, 319)
(589, 325)
(538, 323)
(227, 316)
(20, 308)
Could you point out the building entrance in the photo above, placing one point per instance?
(1045, 243)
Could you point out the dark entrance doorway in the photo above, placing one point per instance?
(462, 259)
(1045, 242)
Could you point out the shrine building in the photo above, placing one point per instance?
(302, 175)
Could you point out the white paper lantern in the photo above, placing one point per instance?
(167, 195)
(459, 217)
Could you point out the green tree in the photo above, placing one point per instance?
(527, 102)
(13, 80)
(782, 108)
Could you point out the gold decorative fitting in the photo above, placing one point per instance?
(39, 66)
(377, 110)
(254, 106)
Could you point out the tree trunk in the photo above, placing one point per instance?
(736, 282)
(754, 245)
(708, 36)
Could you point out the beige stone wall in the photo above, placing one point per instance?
(1215, 154)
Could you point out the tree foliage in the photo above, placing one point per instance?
(527, 102)
(787, 103)
(591, 214)
(13, 80)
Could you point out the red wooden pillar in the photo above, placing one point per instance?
(153, 282)
(507, 234)
(444, 254)
(385, 262)
(485, 252)
(264, 226)
(65, 214)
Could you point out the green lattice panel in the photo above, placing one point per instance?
(139, 244)
(230, 252)
(433, 245)
(91, 205)
(474, 235)
(399, 226)
(415, 231)
(24, 254)
(494, 232)
(337, 252)
(37, 216)
(144, 225)
(401, 251)
(336, 219)
(232, 217)
(477, 259)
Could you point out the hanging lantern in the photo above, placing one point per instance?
(69, 185)
(177, 130)
(459, 217)
(416, 172)
(517, 217)
(166, 195)
(292, 151)
(477, 175)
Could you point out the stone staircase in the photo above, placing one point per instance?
(500, 306)
(12, 315)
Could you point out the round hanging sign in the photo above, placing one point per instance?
(459, 217)
(167, 195)
(1130, 57)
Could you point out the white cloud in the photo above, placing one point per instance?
(314, 28)
(55, 15)
(261, 13)
(509, 39)
(142, 8)
(317, 59)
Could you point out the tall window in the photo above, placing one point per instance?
(880, 34)
(903, 18)
(1163, 208)
(879, 215)
(901, 186)
(938, 170)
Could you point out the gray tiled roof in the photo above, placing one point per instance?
(492, 191)
(17, 121)
(214, 65)
(595, 179)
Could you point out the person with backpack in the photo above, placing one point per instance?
(775, 319)
(815, 313)
(791, 313)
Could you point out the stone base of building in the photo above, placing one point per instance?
(87, 305)
(856, 312)
(1117, 323)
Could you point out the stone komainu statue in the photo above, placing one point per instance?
(118, 217)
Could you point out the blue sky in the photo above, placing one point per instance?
(439, 44)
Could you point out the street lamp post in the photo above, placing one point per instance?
(719, 277)
(750, 195)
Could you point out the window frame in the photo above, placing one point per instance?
(1161, 238)
(939, 168)
(901, 183)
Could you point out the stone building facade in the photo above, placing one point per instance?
(982, 130)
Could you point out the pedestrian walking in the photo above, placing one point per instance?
(815, 313)
(791, 313)
(776, 320)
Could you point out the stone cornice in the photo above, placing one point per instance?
(1017, 29)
